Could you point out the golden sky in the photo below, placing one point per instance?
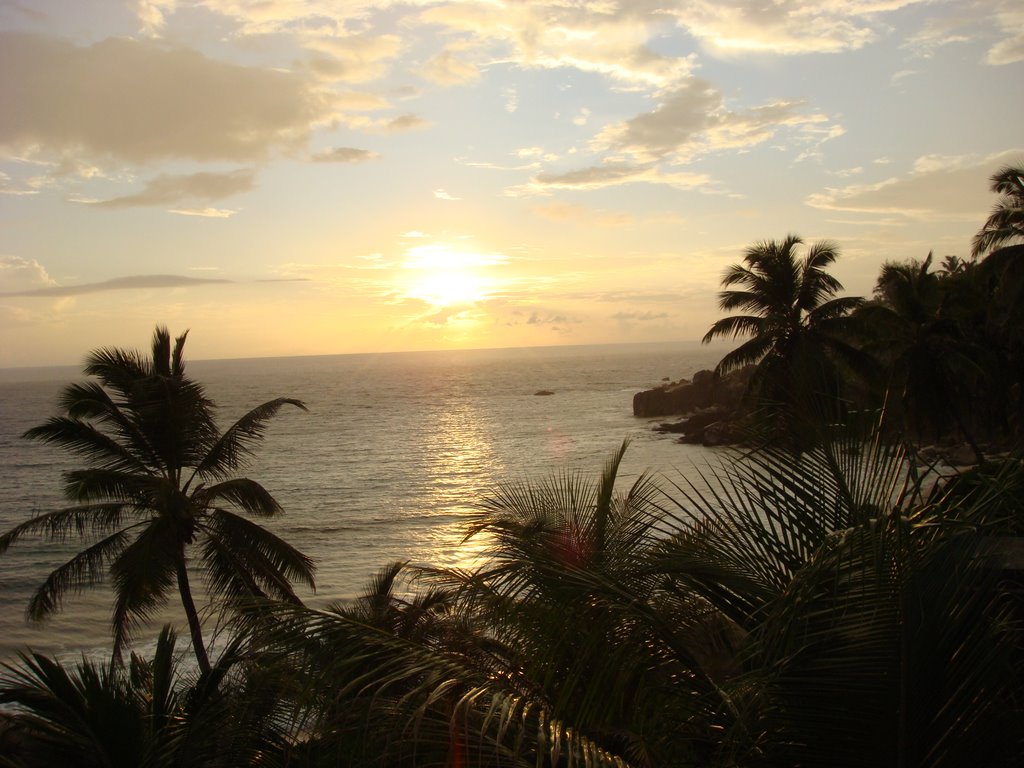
(292, 177)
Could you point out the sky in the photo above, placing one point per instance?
(293, 177)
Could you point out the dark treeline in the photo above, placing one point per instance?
(826, 600)
(937, 348)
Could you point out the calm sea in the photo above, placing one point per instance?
(386, 465)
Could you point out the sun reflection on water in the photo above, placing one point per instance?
(460, 462)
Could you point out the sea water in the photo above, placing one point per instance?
(387, 464)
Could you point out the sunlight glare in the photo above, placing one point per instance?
(443, 276)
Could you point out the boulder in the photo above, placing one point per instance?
(675, 398)
(961, 456)
(684, 396)
(719, 433)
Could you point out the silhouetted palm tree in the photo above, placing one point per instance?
(158, 493)
(1005, 225)
(920, 333)
(799, 330)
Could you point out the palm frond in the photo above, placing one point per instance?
(750, 352)
(248, 495)
(85, 569)
(143, 574)
(245, 559)
(84, 520)
(85, 440)
(229, 452)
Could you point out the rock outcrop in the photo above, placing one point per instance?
(710, 405)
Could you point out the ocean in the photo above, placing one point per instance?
(391, 457)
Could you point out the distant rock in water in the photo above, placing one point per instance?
(543, 393)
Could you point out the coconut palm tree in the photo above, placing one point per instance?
(799, 329)
(924, 333)
(1005, 225)
(159, 495)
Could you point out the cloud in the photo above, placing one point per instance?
(937, 188)
(152, 14)
(140, 101)
(406, 122)
(440, 194)
(20, 274)
(400, 124)
(117, 284)
(344, 155)
(452, 66)
(1010, 50)
(786, 27)
(353, 58)
(591, 37)
(542, 317)
(169, 189)
(608, 175)
(209, 213)
(694, 120)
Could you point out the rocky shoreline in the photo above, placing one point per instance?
(711, 410)
(710, 406)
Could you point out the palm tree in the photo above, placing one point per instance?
(1005, 224)
(158, 494)
(923, 327)
(798, 327)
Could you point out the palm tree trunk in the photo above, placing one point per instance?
(194, 627)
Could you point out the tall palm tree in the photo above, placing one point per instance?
(922, 325)
(798, 327)
(1005, 224)
(159, 494)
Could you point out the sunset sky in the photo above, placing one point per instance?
(286, 177)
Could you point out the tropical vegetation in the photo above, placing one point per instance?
(939, 350)
(824, 599)
(159, 495)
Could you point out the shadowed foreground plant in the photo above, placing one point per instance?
(146, 714)
(828, 608)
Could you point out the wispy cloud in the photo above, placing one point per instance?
(170, 189)
(937, 187)
(134, 282)
(694, 120)
(344, 155)
(795, 27)
(611, 174)
(207, 213)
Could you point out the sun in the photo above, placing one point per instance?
(443, 276)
